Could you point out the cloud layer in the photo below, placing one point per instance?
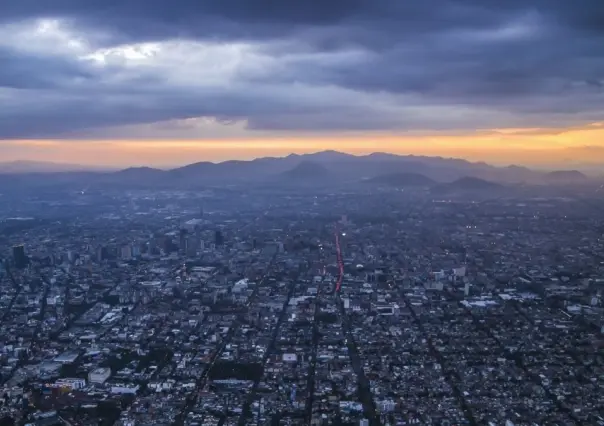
(77, 69)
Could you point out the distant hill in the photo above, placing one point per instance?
(517, 174)
(402, 180)
(325, 156)
(138, 175)
(232, 172)
(306, 171)
(565, 176)
(473, 183)
(469, 184)
(140, 172)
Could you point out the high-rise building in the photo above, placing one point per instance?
(192, 245)
(126, 252)
(102, 254)
(182, 241)
(20, 258)
(168, 246)
(218, 238)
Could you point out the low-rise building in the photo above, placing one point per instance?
(99, 375)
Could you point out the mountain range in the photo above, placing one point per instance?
(321, 168)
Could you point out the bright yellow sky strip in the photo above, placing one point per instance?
(501, 146)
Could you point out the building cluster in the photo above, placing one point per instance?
(407, 310)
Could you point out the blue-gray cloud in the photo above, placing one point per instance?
(310, 64)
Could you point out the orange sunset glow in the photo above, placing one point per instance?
(531, 147)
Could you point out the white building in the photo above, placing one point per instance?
(99, 375)
(289, 357)
(161, 386)
(460, 272)
(240, 285)
(67, 357)
(439, 275)
(386, 406)
(70, 383)
(124, 388)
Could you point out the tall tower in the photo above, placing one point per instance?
(182, 240)
(20, 258)
(218, 238)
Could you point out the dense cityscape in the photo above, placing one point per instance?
(249, 306)
(301, 213)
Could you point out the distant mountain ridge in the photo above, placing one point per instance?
(565, 176)
(320, 168)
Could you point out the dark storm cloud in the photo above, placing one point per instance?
(144, 18)
(533, 62)
(23, 71)
(361, 21)
(75, 111)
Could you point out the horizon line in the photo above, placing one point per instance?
(82, 167)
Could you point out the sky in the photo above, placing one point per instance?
(162, 83)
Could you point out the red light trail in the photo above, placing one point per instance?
(340, 262)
